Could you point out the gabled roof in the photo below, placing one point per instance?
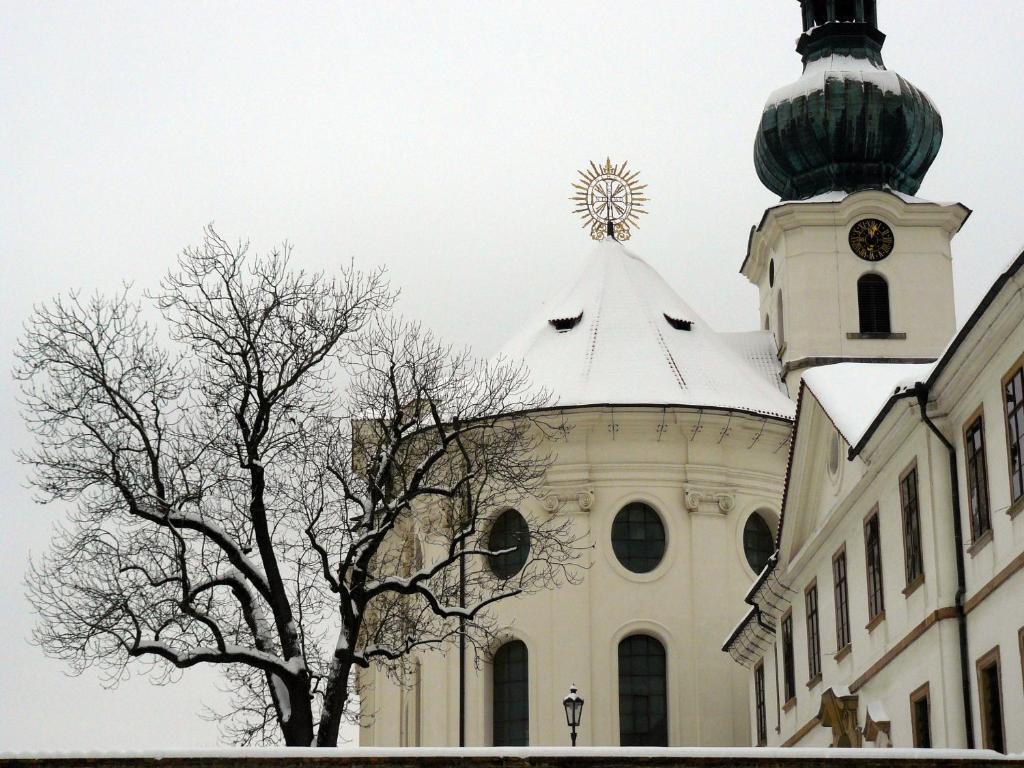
(853, 393)
(620, 335)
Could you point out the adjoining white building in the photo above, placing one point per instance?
(893, 612)
(682, 467)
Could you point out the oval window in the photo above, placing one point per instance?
(638, 538)
(758, 542)
(510, 535)
(833, 454)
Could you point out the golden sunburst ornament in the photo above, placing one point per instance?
(609, 199)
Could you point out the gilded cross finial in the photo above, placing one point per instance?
(609, 199)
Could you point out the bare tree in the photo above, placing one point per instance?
(291, 486)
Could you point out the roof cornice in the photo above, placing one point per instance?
(790, 215)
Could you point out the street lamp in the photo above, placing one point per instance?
(573, 704)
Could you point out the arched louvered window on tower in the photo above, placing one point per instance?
(510, 702)
(643, 694)
(873, 303)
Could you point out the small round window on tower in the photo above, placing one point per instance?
(638, 538)
(758, 542)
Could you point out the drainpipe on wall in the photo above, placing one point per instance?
(921, 390)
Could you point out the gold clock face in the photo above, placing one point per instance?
(871, 239)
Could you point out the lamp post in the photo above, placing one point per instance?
(573, 704)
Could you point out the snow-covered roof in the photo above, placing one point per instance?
(624, 337)
(852, 394)
(817, 72)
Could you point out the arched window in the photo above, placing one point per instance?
(638, 538)
(412, 701)
(509, 532)
(873, 302)
(780, 324)
(643, 699)
(758, 542)
(510, 701)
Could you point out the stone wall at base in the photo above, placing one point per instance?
(745, 758)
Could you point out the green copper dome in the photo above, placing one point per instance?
(848, 123)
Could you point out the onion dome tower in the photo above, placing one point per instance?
(850, 266)
(847, 123)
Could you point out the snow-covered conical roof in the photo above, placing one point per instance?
(621, 336)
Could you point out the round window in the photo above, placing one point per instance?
(510, 535)
(758, 542)
(638, 538)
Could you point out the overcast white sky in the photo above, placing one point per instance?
(438, 138)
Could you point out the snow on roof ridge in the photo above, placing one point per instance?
(626, 350)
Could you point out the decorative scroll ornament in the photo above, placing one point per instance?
(609, 199)
(707, 501)
(556, 500)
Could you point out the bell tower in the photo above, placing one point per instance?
(850, 266)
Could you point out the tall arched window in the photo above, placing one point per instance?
(780, 324)
(510, 702)
(643, 699)
(758, 542)
(873, 302)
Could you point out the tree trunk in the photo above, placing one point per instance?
(335, 698)
(298, 730)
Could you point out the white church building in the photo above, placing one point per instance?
(835, 495)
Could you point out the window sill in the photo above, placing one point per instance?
(892, 336)
(979, 543)
(912, 586)
(789, 704)
(878, 619)
(843, 652)
(1015, 508)
(814, 681)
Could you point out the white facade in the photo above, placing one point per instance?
(913, 648)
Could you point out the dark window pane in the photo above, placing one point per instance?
(760, 710)
(788, 670)
(643, 699)
(511, 705)
(992, 708)
(873, 303)
(842, 601)
(922, 723)
(813, 638)
(873, 556)
(638, 538)
(912, 555)
(510, 532)
(977, 479)
(1015, 431)
(758, 542)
